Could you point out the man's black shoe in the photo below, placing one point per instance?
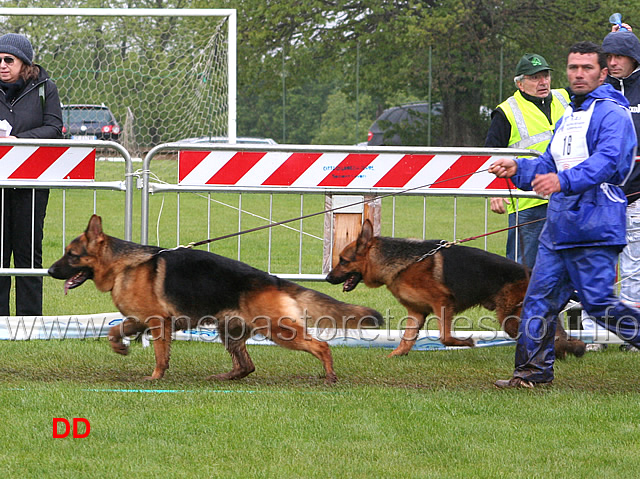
(517, 383)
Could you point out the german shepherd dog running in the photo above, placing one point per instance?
(162, 291)
(444, 283)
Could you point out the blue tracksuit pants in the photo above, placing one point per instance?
(557, 273)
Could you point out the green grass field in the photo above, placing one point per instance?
(427, 415)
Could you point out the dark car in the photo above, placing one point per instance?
(406, 125)
(89, 122)
(240, 140)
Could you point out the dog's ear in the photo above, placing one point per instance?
(94, 228)
(366, 234)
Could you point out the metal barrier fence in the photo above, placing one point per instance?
(362, 173)
(313, 175)
(61, 165)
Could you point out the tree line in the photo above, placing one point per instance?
(320, 71)
(329, 53)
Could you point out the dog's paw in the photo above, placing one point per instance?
(395, 353)
(331, 379)
(563, 347)
(221, 377)
(154, 376)
(119, 347)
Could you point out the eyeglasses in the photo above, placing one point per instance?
(7, 60)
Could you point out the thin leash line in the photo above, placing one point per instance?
(623, 279)
(375, 198)
(330, 210)
(518, 231)
(447, 244)
(212, 200)
(471, 238)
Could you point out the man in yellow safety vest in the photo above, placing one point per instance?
(526, 120)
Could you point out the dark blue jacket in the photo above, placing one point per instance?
(627, 44)
(28, 116)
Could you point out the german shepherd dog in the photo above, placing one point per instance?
(445, 283)
(161, 291)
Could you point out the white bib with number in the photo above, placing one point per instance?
(569, 145)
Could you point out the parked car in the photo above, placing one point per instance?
(89, 122)
(406, 125)
(224, 139)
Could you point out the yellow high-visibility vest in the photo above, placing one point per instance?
(531, 129)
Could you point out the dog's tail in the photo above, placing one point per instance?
(326, 312)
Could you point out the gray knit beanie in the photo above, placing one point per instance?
(622, 43)
(17, 45)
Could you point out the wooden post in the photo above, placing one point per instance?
(343, 226)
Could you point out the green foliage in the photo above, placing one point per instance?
(340, 125)
(161, 76)
(292, 55)
(456, 50)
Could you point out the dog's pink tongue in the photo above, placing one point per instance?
(67, 284)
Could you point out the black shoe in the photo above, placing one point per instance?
(629, 348)
(517, 383)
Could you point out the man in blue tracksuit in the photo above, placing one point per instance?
(623, 61)
(589, 156)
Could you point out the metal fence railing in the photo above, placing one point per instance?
(311, 176)
(62, 166)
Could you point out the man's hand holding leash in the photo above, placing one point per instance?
(543, 185)
(504, 168)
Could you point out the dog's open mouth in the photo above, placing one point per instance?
(76, 280)
(351, 282)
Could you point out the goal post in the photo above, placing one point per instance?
(166, 74)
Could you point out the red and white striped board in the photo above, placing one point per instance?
(47, 163)
(336, 170)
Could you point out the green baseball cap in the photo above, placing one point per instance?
(530, 64)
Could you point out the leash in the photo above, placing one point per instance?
(443, 243)
(311, 215)
(519, 232)
(448, 244)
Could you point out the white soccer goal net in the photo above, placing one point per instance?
(164, 74)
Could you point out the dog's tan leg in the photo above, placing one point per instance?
(415, 322)
(129, 327)
(509, 321)
(160, 329)
(565, 344)
(508, 310)
(242, 364)
(292, 335)
(508, 307)
(444, 321)
(234, 333)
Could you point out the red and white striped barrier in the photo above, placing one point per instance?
(335, 170)
(48, 163)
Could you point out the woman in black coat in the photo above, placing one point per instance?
(30, 103)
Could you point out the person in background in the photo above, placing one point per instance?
(30, 103)
(592, 152)
(623, 60)
(526, 120)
